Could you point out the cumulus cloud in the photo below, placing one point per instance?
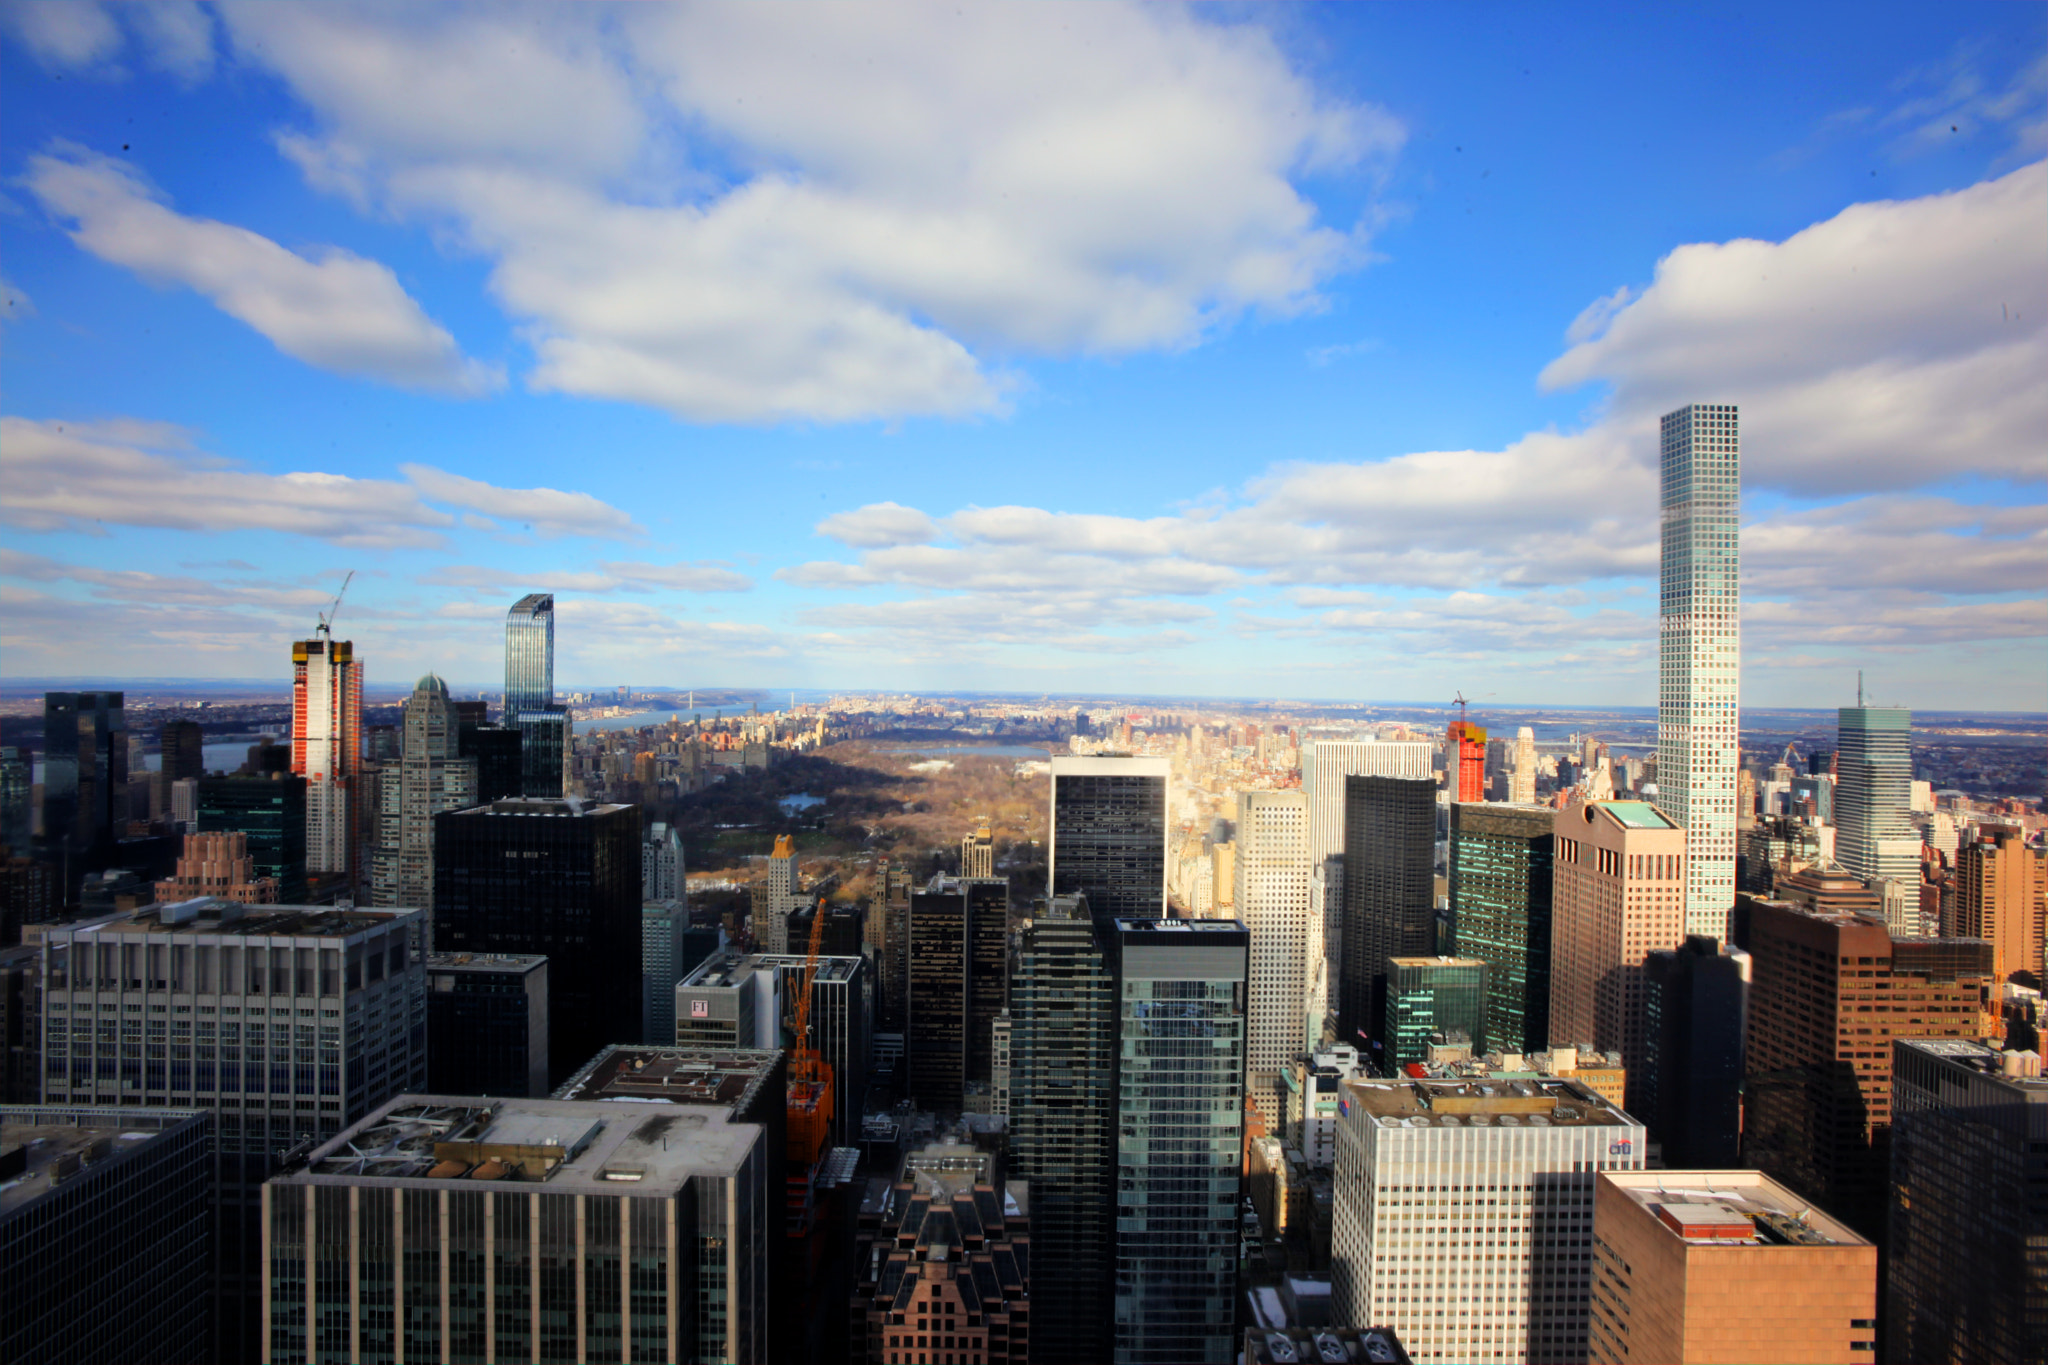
(62, 475)
(610, 576)
(63, 35)
(178, 35)
(879, 524)
(335, 310)
(834, 212)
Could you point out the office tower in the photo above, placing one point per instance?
(1874, 834)
(1695, 1021)
(663, 927)
(85, 777)
(978, 852)
(1966, 1276)
(1998, 898)
(301, 1018)
(530, 694)
(945, 1260)
(1465, 761)
(327, 747)
(272, 813)
(1180, 1138)
(780, 895)
(523, 1229)
(1699, 652)
(1272, 903)
(1618, 896)
(494, 747)
(16, 803)
(106, 1234)
(1389, 893)
(661, 865)
(1522, 780)
(1828, 993)
(1474, 1201)
(1108, 833)
(958, 928)
(218, 865)
(560, 879)
(429, 777)
(487, 1024)
(21, 1025)
(1500, 894)
(1324, 766)
(1694, 1266)
(749, 1001)
(1432, 997)
(1063, 1047)
(181, 748)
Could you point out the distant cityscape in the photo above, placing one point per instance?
(660, 1024)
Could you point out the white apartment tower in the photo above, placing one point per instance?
(1272, 901)
(1699, 651)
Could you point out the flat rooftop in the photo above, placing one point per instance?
(544, 807)
(210, 915)
(59, 1153)
(1535, 1102)
(1638, 815)
(829, 968)
(1730, 1208)
(568, 1146)
(730, 1077)
(1181, 926)
(485, 962)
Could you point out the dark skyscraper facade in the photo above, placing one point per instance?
(182, 746)
(1063, 1048)
(85, 775)
(1500, 898)
(487, 1024)
(560, 879)
(1697, 1002)
(272, 812)
(1389, 892)
(1180, 1138)
(1109, 833)
(958, 930)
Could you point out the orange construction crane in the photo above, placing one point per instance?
(810, 1075)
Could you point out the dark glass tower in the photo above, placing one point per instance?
(487, 1025)
(1109, 833)
(1062, 1116)
(85, 777)
(958, 927)
(1180, 1138)
(182, 745)
(272, 812)
(1696, 1002)
(1431, 995)
(530, 694)
(1389, 892)
(1500, 899)
(557, 878)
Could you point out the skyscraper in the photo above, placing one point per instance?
(1324, 766)
(1500, 900)
(181, 746)
(1465, 761)
(1063, 1046)
(85, 778)
(561, 879)
(1696, 1017)
(957, 947)
(1967, 1225)
(1389, 893)
(487, 1024)
(1427, 996)
(1998, 898)
(1699, 652)
(530, 694)
(1272, 901)
(1180, 1138)
(272, 812)
(1617, 898)
(1109, 833)
(428, 778)
(978, 852)
(1874, 833)
(327, 747)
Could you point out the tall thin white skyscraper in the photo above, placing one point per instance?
(1699, 652)
(1272, 900)
(327, 746)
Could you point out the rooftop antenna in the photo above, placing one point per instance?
(326, 626)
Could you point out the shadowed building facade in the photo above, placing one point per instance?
(1501, 902)
(1389, 893)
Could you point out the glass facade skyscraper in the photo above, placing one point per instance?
(1500, 901)
(1699, 651)
(530, 695)
(1180, 1138)
(1109, 833)
(1431, 995)
(1389, 893)
(1874, 832)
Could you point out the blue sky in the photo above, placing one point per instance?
(1267, 351)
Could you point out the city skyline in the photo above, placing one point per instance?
(1323, 345)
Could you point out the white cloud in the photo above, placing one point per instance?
(178, 34)
(879, 524)
(61, 475)
(833, 212)
(700, 577)
(74, 34)
(338, 311)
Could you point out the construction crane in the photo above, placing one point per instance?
(326, 626)
(810, 1075)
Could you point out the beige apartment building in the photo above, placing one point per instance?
(1693, 1267)
(1618, 895)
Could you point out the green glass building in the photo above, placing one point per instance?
(1431, 995)
(1500, 901)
